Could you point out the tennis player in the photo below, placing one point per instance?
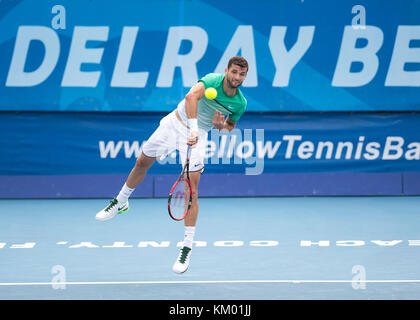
(188, 124)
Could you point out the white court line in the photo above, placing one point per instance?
(199, 282)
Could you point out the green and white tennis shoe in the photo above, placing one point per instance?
(183, 261)
(112, 209)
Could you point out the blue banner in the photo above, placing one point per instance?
(143, 55)
(109, 143)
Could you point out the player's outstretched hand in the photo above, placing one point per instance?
(218, 120)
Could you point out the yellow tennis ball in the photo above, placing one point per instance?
(210, 93)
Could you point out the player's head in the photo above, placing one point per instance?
(236, 71)
(239, 61)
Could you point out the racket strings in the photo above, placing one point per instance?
(179, 203)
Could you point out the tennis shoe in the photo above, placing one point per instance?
(183, 261)
(112, 209)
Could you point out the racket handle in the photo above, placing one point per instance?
(188, 151)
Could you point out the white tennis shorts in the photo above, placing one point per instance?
(171, 135)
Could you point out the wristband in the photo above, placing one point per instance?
(192, 124)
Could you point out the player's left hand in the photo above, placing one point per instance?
(218, 120)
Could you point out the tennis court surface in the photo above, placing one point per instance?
(246, 248)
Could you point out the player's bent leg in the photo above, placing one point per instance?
(137, 174)
(120, 204)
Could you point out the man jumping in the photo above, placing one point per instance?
(188, 124)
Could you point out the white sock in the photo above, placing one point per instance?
(189, 236)
(124, 194)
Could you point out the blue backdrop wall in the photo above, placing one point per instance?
(332, 90)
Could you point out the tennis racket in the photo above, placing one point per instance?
(180, 196)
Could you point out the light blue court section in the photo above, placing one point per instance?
(247, 248)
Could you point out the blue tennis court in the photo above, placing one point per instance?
(246, 248)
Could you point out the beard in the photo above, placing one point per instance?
(231, 85)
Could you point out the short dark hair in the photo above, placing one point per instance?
(239, 61)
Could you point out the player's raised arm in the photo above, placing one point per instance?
(191, 106)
